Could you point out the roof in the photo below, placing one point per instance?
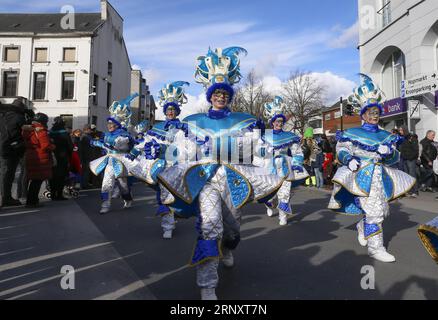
(13, 23)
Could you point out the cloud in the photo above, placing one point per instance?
(335, 85)
(195, 104)
(348, 37)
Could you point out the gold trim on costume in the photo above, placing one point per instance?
(426, 242)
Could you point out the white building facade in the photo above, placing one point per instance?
(399, 41)
(75, 73)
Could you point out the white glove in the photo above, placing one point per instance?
(354, 165)
(384, 150)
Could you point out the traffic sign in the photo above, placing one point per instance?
(421, 80)
(420, 88)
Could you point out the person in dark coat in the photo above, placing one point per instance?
(409, 153)
(86, 154)
(428, 156)
(63, 152)
(38, 156)
(12, 147)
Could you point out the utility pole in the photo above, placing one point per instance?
(342, 114)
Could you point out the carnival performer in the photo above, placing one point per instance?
(117, 143)
(224, 139)
(281, 153)
(149, 154)
(366, 183)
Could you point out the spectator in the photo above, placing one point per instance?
(39, 160)
(428, 156)
(63, 152)
(318, 168)
(409, 153)
(86, 154)
(12, 147)
(325, 144)
(328, 168)
(75, 160)
(403, 133)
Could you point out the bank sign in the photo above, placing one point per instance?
(394, 107)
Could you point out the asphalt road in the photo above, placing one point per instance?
(122, 255)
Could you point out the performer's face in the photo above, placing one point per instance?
(171, 113)
(372, 116)
(220, 99)
(278, 124)
(111, 126)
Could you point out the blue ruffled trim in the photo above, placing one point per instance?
(156, 135)
(276, 117)
(220, 86)
(340, 138)
(163, 210)
(205, 249)
(172, 104)
(104, 196)
(371, 230)
(285, 207)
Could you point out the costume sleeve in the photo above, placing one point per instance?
(297, 155)
(344, 151)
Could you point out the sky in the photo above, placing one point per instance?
(164, 38)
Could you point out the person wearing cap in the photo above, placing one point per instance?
(117, 143)
(39, 158)
(281, 152)
(221, 171)
(367, 182)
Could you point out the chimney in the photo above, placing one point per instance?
(104, 9)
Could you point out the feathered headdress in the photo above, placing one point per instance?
(121, 111)
(367, 95)
(219, 69)
(173, 95)
(275, 109)
(142, 127)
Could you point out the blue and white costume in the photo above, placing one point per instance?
(281, 154)
(223, 138)
(429, 237)
(367, 182)
(150, 152)
(116, 144)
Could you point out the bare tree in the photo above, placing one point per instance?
(304, 97)
(250, 96)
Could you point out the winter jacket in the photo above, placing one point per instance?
(63, 143)
(429, 153)
(38, 152)
(409, 149)
(12, 118)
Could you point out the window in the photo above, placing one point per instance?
(39, 85)
(10, 80)
(68, 84)
(327, 117)
(393, 73)
(386, 13)
(12, 54)
(94, 120)
(41, 55)
(95, 87)
(110, 68)
(108, 94)
(69, 55)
